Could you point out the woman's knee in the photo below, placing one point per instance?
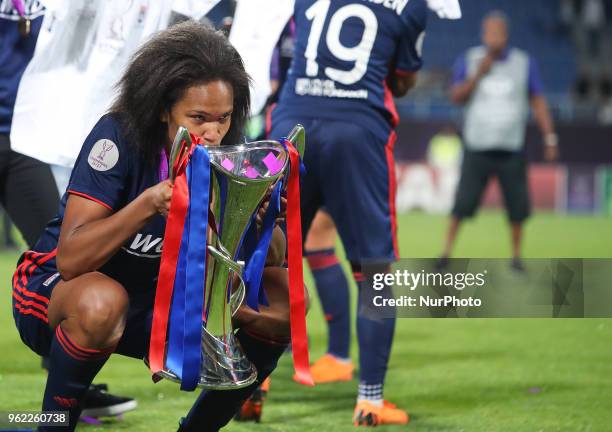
(104, 306)
(97, 311)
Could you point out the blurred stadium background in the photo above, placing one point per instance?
(469, 375)
(573, 49)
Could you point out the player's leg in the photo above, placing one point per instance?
(333, 289)
(31, 198)
(360, 196)
(375, 337)
(264, 337)
(512, 174)
(474, 176)
(30, 195)
(87, 317)
(312, 191)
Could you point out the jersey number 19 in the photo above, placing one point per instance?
(359, 54)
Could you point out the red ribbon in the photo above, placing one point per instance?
(297, 302)
(167, 269)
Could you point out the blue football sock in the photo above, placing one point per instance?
(333, 290)
(71, 370)
(215, 408)
(375, 337)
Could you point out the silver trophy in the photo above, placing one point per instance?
(241, 177)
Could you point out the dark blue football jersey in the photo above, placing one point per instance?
(112, 173)
(344, 51)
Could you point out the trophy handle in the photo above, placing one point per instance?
(297, 137)
(182, 141)
(237, 267)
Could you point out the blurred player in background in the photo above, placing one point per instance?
(27, 187)
(350, 59)
(497, 84)
(319, 250)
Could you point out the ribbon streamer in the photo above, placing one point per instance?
(168, 267)
(257, 254)
(196, 268)
(176, 315)
(297, 303)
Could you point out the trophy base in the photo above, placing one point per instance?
(224, 365)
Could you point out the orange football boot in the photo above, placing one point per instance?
(329, 369)
(252, 408)
(367, 414)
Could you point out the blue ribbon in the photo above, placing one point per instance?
(253, 271)
(196, 267)
(185, 332)
(176, 325)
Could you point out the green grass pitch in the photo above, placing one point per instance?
(451, 375)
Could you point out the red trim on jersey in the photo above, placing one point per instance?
(27, 301)
(32, 260)
(24, 302)
(358, 276)
(390, 106)
(320, 261)
(269, 120)
(25, 311)
(89, 197)
(392, 188)
(30, 294)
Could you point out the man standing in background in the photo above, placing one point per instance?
(497, 84)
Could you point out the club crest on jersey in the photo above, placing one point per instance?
(103, 155)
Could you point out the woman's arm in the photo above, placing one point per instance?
(278, 248)
(91, 234)
(462, 92)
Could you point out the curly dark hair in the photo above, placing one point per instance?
(160, 72)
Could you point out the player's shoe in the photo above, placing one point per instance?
(517, 265)
(329, 369)
(368, 414)
(99, 403)
(252, 408)
(441, 263)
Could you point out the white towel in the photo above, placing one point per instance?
(257, 27)
(64, 90)
(446, 9)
